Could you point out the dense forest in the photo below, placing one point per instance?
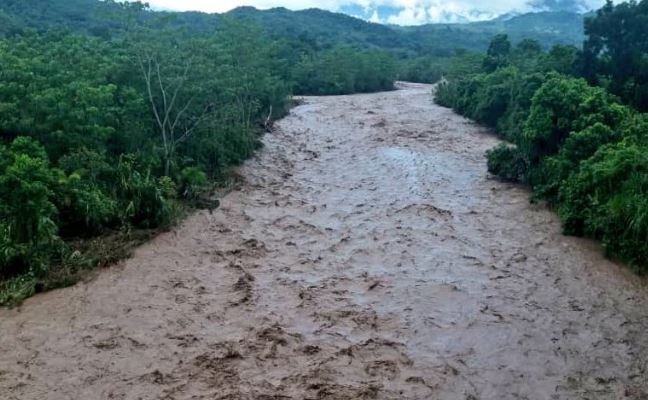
(574, 125)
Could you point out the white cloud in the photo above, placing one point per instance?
(421, 12)
(375, 17)
(412, 12)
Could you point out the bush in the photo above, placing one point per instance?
(506, 162)
(193, 181)
(607, 199)
(446, 94)
(484, 97)
(522, 88)
(85, 209)
(563, 105)
(142, 196)
(578, 146)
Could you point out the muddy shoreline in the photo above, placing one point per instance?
(367, 255)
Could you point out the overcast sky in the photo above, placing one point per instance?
(404, 12)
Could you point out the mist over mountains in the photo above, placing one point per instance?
(434, 11)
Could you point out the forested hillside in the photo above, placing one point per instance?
(548, 28)
(315, 27)
(573, 119)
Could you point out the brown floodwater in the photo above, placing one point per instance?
(366, 255)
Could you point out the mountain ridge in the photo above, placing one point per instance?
(322, 28)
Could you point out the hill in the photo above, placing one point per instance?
(548, 28)
(321, 29)
(325, 27)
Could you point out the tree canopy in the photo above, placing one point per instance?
(616, 51)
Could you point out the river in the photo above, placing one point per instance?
(366, 254)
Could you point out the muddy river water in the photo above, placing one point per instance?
(366, 255)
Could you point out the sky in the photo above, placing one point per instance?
(401, 12)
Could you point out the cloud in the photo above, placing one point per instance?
(402, 12)
(560, 5)
(421, 12)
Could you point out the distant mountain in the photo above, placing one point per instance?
(421, 13)
(506, 17)
(549, 28)
(319, 28)
(323, 27)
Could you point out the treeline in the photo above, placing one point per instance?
(105, 136)
(344, 70)
(582, 148)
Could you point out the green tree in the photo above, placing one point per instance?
(616, 50)
(498, 53)
(26, 212)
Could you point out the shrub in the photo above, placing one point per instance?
(561, 106)
(85, 209)
(192, 181)
(506, 162)
(446, 94)
(608, 199)
(141, 196)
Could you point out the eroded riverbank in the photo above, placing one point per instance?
(367, 255)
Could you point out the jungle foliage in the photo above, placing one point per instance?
(615, 54)
(109, 135)
(344, 70)
(118, 133)
(582, 148)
